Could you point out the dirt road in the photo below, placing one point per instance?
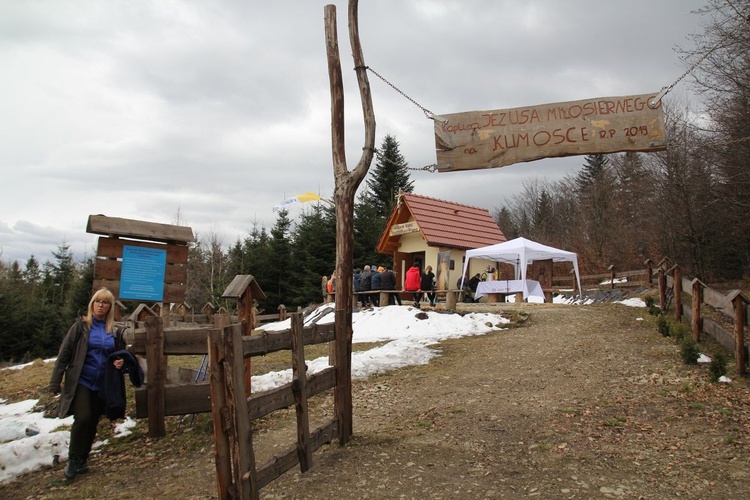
(580, 402)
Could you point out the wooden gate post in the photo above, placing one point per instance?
(157, 376)
(649, 270)
(662, 290)
(697, 299)
(740, 355)
(219, 414)
(299, 389)
(243, 458)
(677, 287)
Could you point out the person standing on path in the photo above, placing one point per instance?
(83, 359)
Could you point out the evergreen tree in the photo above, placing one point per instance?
(278, 273)
(389, 177)
(593, 167)
(313, 254)
(504, 220)
(368, 227)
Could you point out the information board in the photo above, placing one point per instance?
(142, 274)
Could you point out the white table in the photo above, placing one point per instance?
(527, 287)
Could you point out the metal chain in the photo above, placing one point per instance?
(665, 90)
(429, 114)
(426, 168)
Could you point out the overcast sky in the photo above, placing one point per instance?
(219, 110)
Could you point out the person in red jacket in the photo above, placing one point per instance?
(413, 281)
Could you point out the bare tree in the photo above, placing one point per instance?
(346, 184)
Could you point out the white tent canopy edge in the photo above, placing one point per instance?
(521, 251)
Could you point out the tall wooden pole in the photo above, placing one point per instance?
(346, 184)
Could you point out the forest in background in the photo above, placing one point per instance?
(689, 202)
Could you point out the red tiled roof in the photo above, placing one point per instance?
(444, 223)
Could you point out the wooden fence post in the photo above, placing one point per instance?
(649, 270)
(740, 356)
(299, 389)
(243, 459)
(611, 276)
(157, 376)
(677, 287)
(662, 290)
(343, 390)
(219, 413)
(697, 299)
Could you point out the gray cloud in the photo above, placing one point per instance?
(221, 109)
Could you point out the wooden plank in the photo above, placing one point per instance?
(108, 269)
(299, 390)
(287, 459)
(179, 341)
(222, 456)
(156, 376)
(718, 301)
(719, 334)
(152, 231)
(495, 138)
(243, 456)
(266, 342)
(179, 399)
(173, 293)
(260, 405)
(112, 248)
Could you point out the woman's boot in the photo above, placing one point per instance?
(71, 470)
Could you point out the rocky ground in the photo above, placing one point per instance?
(577, 402)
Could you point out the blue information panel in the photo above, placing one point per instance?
(142, 273)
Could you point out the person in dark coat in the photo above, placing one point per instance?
(83, 360)
(376, 285)
(388, 282)
(427, 285)
(365, 285)
(356, 280)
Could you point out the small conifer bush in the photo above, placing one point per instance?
(689, 350)
(718, 366)
(662, 324)
(679, 331)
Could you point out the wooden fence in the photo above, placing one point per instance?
(238, 476)
(734, 307)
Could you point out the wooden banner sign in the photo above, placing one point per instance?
(488, 139)
(405, 228)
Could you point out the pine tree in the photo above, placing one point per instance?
(279, 274)
(593, 167)
(388, 177)
(313, 254)
(368, 227)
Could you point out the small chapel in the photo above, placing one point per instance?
(437, 233)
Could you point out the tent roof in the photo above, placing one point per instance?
(511, 251)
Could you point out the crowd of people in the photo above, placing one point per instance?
(374, 279)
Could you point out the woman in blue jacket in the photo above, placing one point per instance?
(83, 360)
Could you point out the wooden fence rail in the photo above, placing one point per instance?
(238, 476)
(734, 306)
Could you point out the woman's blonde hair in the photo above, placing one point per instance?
(428, 269)
(105, 295)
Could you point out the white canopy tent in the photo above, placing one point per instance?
(521, 252)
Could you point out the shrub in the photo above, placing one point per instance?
(689, 350)
(718, 366)
(650, 301)
(662, 325)
(679, 331)
(653, 310)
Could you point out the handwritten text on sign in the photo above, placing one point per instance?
(487, 139)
